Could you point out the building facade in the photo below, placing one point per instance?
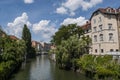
(104, 30)
(37, 45)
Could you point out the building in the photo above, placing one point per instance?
(104, 30)
(37, 45)
(13, 37)
(47, 47)
(2, 33)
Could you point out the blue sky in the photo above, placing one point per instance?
(44, 17)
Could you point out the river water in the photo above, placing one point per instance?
(42, 68)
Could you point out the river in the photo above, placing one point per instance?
(42, 68)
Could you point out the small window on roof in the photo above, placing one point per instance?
(108, 10)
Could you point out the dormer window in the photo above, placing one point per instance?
(109, 10)
(115, 10)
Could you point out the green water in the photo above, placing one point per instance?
(42, 68)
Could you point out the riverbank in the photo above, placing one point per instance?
(95, 67)
(100, 67)
(8, 68)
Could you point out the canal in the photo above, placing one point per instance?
(42, 68)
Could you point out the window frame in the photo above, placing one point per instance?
(95, 38)
(110, 36)
(101, 37)
(100, 27)
(110, 26)
(95, 29)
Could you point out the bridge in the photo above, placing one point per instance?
(42, 53)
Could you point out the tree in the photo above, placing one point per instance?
(26, 36)
(70, 50)
(65, 32)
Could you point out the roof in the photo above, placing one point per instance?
(107, 10)
(86, 26)
(13, 37)
(35, 43)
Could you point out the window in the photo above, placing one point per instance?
(95, 50)
(100, 27)
(102, 51)
(95, 29)
(109, 16)
(95, 38)
(87, 30)
(109, 26)
(110, 36)
(116, 50)
(100, 19)
(101, 37)
(111, 50)
(109, 10)
(94, 21)
(87, 36)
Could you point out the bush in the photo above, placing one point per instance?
(99, 66)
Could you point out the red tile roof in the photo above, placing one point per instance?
(87, 25)
(107, 10)
(13, 37)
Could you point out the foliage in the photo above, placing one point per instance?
(26, 36)
(12, 55)
(69, 51)
(2, 32)
(65, 32)
(100, 66)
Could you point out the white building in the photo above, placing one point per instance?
(104, 30)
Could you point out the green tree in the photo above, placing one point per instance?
(69, 51)
(26, 36)
(65, 32)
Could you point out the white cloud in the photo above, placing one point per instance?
(79, 21)
(15, 27)
(70, 6)
(61, 10)
(28, 1)
(45, 29)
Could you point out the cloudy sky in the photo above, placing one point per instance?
(44, 17)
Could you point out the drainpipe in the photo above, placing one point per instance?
(100, 48)
(118, 27)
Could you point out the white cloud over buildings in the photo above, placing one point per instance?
(79, 21)
(70, 6)
(15, 27)
(44, 27)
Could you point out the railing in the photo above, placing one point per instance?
(113, 53)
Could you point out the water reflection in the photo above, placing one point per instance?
(42, 69)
